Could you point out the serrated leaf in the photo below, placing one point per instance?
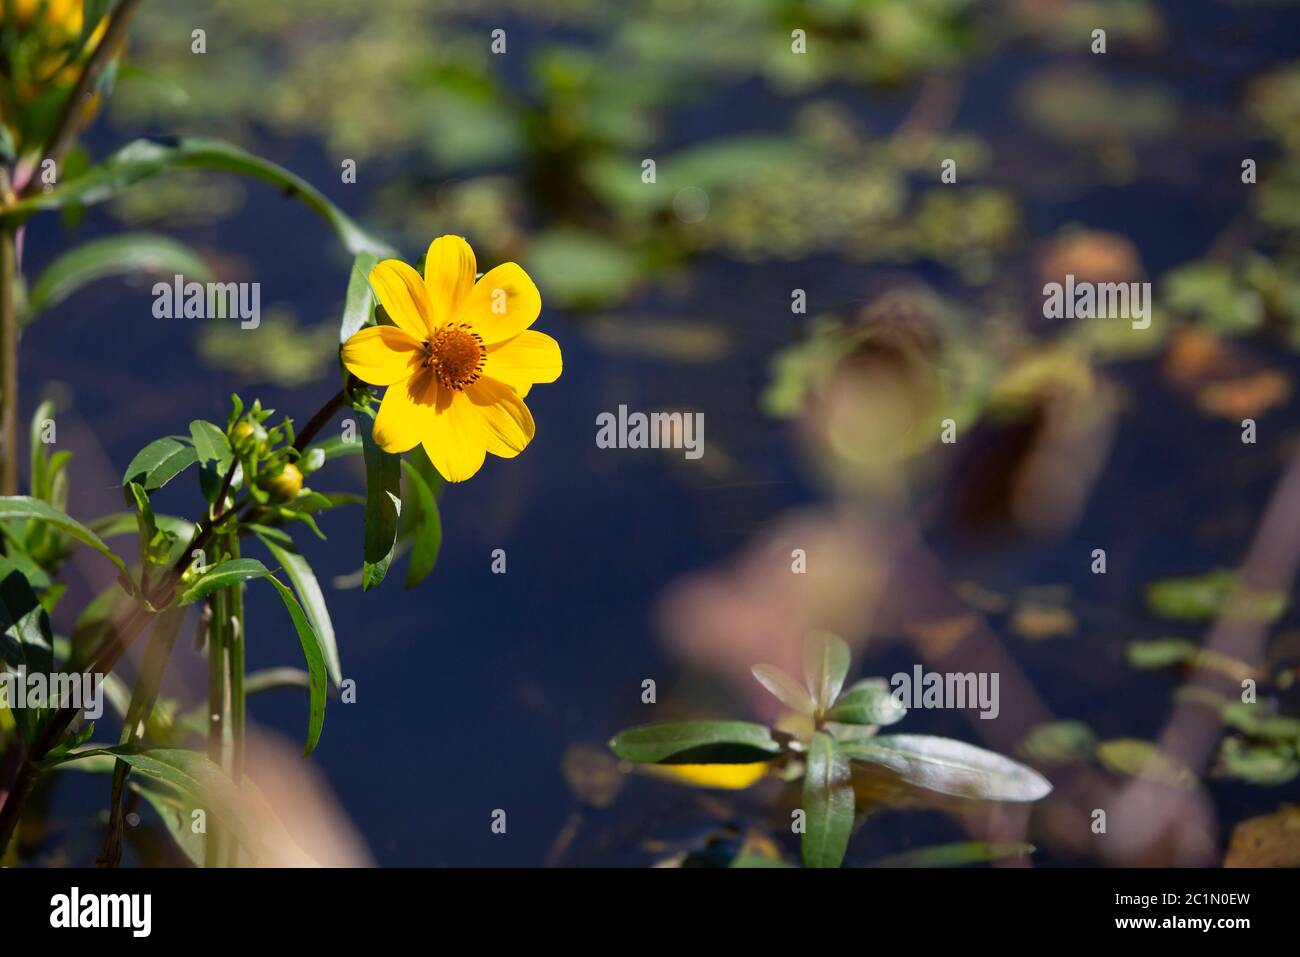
(696, 742)
(827, 803)
(211, 444)
(160, 461)
(952, 767)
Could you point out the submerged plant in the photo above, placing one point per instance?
(828, 731)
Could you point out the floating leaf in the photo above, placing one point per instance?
(1142, 759)
(1272, 840)
(1059, 742)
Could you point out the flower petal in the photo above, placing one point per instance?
(449, 270)
(528, 358)
(509, 425)
(404, 296)
(502, 304)
(456, 442)
(382, 355)
(407, 413)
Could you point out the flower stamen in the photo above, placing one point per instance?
(456, 354)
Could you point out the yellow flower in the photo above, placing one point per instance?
(458, 359)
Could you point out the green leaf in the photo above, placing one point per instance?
(696, 742)
(226, 574)
(160, 461)
(190, 773)
(26, 640)
(868, 702)
(142, 159)
(952, 767)
(211, 444)
(1219, 592)
(22, 507)
(788, 691)
(826, 661)
(359, 306)
(1247, 717)
(956, 854)
(426, 524)
(383, 506)
(1142, 759)
(335, 447)
(827, 803)
(1059, 742)
(114, 255)
(39, 462)
(234, 571)
(281, 546)
(316, 673)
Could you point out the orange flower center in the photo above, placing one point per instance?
(455, 354)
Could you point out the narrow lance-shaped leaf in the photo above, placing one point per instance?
(316, 674)
(22, 507)
(190, 773)
(426, 523)
(696, 742)
(225, 574)
(142, 159)
(952, 767)
(827, 803)
(383, 505)
(300, 573)
(360, 302)
(113, 255)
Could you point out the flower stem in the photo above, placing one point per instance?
(8, 360)
(68, 125)
(120, 635)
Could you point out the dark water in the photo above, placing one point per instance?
(471, 687)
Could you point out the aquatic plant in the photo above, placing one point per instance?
(830, 729)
